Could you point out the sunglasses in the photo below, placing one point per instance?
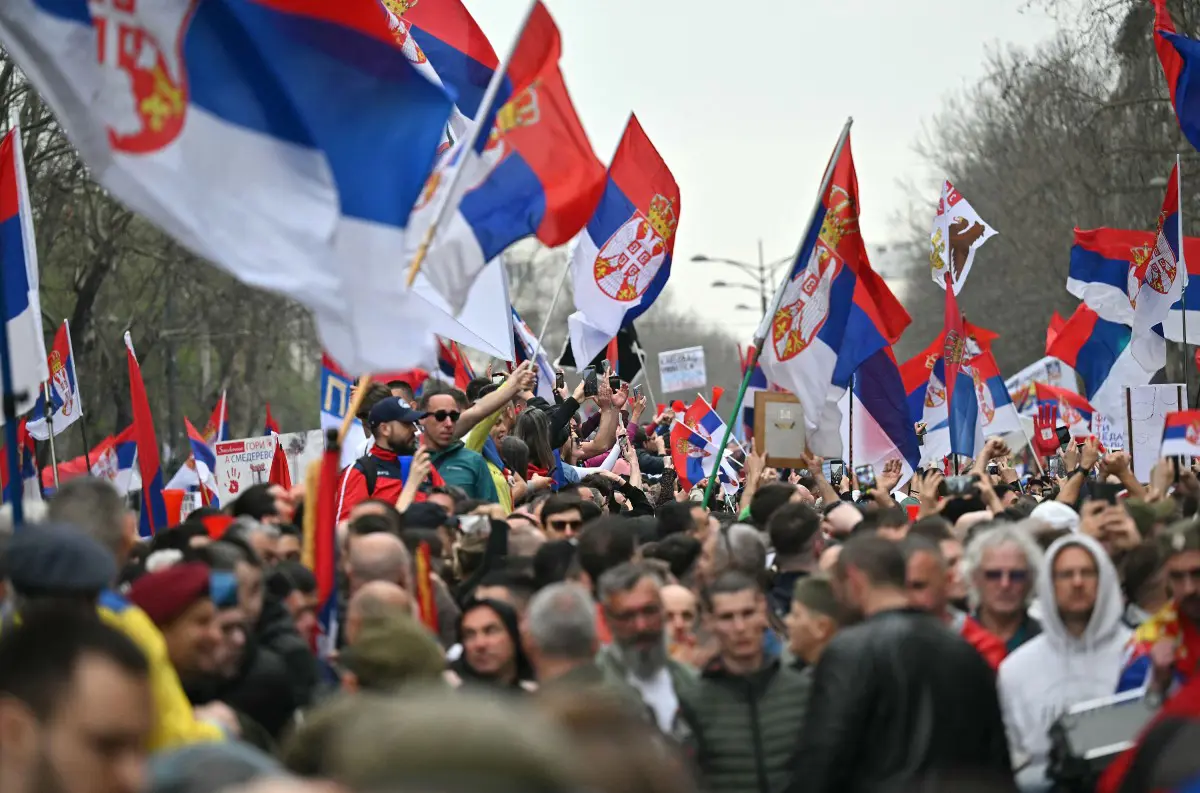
(441, 415)
(565, 525)
(1015, 576)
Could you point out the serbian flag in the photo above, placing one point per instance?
(1181, 434)
(1162, 282)
(530, 173)
(113, 459)
(1053, 329)
(453, 364)
(1098, 351)
(831, 314)
(26, 351)
(695, 447)
(271, 425)
(1180, 59)
(217, 428)
(966, 429)
(27, 463)
(527, 349)
(66, 404)
(253, 132)
(199, 472)
(877, 424)
(154, 509)
(1073, 410)
(621, 260)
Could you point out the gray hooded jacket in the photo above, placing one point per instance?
(1056, 670)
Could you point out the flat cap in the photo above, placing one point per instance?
(55, 560)
(392, 650)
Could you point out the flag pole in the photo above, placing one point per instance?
(850, 440)
(87, 454)
(467, 144)
(764, 326)
(49, 414)
(554, 304)
(8, 404)
(1183, 273)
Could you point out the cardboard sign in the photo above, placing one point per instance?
(682, 370)
(1110, 432)
(247, 462)
(1146, 409)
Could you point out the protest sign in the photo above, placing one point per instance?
(682, 370)
(247, 462)
(1146, 409)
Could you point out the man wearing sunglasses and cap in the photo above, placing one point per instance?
(458, 465)
(382, 472)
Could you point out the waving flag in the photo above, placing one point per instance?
(271, 426)
(758, 382)
(832, 314)
(27, 464)
(695, 441)
(621, 260)
(1073, 410)
(217, 428)
(527, 349)
(66, 404)
(958, 232)
(280, 473)
(252, 131)
(1099, 352)
(335, 402)
(453, 365)
(19, 268)
(154, 509)
(199, 472)
(1180, 59)
(320, 552)
(1162, 282)
(966, 429)
(536, 174)
(113, 459)
(878, 426)
(1181, 434)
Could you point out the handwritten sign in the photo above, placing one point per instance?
(682, 370)
(1146, 409)
(247, 461)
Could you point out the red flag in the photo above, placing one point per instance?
(154, 509)
(717, 393)
(611, 355)
(1057, 323)
(280, 474)
(271, 425)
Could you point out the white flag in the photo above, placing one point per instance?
(958, 232)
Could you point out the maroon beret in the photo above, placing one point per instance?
(166, 594)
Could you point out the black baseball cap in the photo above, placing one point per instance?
(393, 409)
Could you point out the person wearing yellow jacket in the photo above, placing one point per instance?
(93, 508)
(476, 422)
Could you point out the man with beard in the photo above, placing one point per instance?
(76, 709)
(383, 470)
(897, 700)
(633, 608)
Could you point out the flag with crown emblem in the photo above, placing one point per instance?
(534, 174)
(832, 314)
(1161, 283)
(66, 404)
(621, 260)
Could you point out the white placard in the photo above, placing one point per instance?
(1146, 409)
(247, 462)
(1110, 431)
(682, 370)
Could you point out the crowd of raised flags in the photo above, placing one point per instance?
(278, 183)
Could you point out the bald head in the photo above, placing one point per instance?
(379, 557)
(375, 600)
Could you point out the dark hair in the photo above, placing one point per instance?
(914, 544)
(235, 536)
(202, 512)
(456, 493)
(255, 502)
(1138, 566)
(514, 453)
(792, 529)
(371, 524)
(475, 387)
(520, 584)
(590, 511)
(891, 517)
(727, 583)
(414, 537)
(931, 527)
(376, 393)
(769, 498)
(879, 559)
(680, 551)
(561, 502)
(289, 577)
(674, 517)
(460, 399)
(178, 538)
(394, 518)
(38, 657)
(404, 386)
(605, 543)
(553, 561)
(533, 427)
(290, 530)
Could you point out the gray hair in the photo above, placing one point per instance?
(625, 577)
(94, 507)
(1019, 534)
(246, 526)
(562, 622)
(740, 547)
(380, 557)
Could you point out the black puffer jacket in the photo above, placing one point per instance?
(896, 701)
(277, 634)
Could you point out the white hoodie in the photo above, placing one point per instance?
(1056, 670)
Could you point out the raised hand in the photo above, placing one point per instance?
(1045, 438)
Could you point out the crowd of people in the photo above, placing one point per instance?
(598, 625)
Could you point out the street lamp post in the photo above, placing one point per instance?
(763, 272)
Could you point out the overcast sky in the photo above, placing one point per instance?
(745, 100)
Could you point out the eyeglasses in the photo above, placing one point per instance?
(1179, 576)
(441, 415)
(1015, 576)
(566, 525)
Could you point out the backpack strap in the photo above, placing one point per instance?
(370, 470)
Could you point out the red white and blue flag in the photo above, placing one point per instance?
(1181, 434)
(66, 404)
(153, 516)
(453, 364)
(199, 472)
(526, 345)
(877, 424)
(1161, 284)
(1098, 351)
(19, 268)
(27, 464)
(695, 446)
(533, 174)
(253, 132)
(1074, 411)
(217, 428)
(831, 315)
(113, 459)
(1180, 59)
(621, 260)
(270, 426)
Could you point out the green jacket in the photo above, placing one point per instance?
(683, 678)
(744, 729)
(461, 467)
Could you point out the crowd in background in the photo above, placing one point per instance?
(599, 626)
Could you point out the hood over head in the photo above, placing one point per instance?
(1106, 615)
